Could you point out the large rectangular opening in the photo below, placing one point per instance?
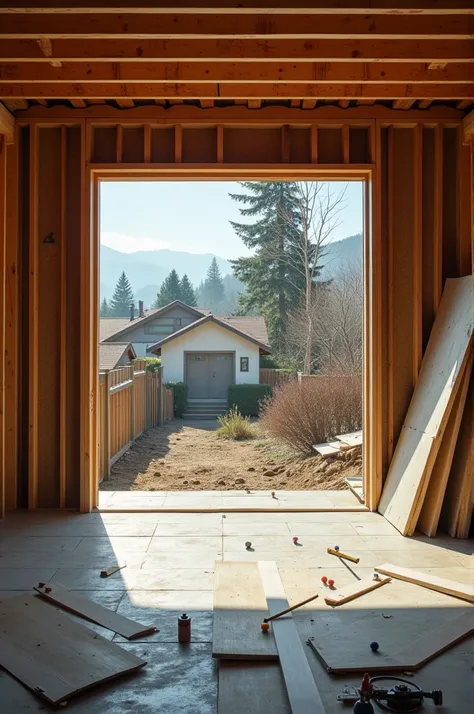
(316, 352)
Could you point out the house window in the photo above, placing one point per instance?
(244, 364)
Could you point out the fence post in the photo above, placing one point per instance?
(132, 405)
(107, 426)
(162, 399)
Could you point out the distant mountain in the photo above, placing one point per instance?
(341, 252)
(147, 269)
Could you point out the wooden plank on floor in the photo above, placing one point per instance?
(52, 655)
(251, 688)
(434, 642)
(431, 510)
(83, 607)
(239, 609)
(354, 590)
(446, 354)
(301, 688)
(432, 582)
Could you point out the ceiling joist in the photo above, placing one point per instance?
(333, 50)
(236, 91)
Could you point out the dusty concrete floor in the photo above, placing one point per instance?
(187, 455)
(170, 560)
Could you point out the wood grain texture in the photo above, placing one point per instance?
(433, 502)
(301, 687)
(239, 609)
(251, 688)
(354, 590)
(432, 582)
(425, 422)
(82, 606)
(53, 656)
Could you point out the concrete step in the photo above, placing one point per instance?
(208, 416)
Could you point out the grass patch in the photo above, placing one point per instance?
(234, 426)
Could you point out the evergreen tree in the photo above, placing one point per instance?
(273, 283)
(170, 290)
(122, 298)
(213, 293)
(188, 295)
(104, 308)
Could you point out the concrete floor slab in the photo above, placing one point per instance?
(160, 578)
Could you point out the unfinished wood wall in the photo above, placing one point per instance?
(420, 235)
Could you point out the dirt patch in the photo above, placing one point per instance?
(188, 456)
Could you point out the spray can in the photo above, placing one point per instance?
(184, 628)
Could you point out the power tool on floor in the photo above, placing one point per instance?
(399, 696)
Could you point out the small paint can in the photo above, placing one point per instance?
(184, 628)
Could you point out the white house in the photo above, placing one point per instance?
(206, 352)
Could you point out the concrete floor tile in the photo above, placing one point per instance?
(190, 558)
(255, 527)
(374, 528)
(89, 579)
(181, 529)
(304, 528)
(159, 578)
(24, 578)
(159, 544)
(38, 544)
(162, 609)
(115, 545)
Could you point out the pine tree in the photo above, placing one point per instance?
(273, 284)
(213, 293)
(122, 298)
(188, 295)
(104, 308)
(170, 290)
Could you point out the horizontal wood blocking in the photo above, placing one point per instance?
(212, 90)
(281, 26)
(276, 50)
(233, 145)
(233, 72)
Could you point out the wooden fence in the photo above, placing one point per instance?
(131, 400)
(274, 377)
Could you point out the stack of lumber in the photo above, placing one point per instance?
(342, 442)
(430, 479)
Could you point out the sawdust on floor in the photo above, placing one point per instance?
(189, 456)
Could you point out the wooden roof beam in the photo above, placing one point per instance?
(425, 103)
(78, 103)
(334, 50)
(465, 103)
(403, 103)
(425, 7)
(218, 26)
(125, 103)
(7, 124)
(360, 72)
(157, 90)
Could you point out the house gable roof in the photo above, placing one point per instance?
(112, 352)
(221, 322)
(124, 324)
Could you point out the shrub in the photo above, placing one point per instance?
(267, 362)
(180, 396)
(234, 426)
(315, 410)
(248, 398)
(153, 364)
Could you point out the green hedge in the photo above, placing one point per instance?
(180, 393)
(247, 398)
(153, 364)
(267, 362)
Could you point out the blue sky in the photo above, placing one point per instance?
(189, 216)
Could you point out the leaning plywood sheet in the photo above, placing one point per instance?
(52, 655)
(446, 354)
(431, 510)
(354, 590)
(251, 688)
(456, 498)
(432, 582)
(301, 688)
(239, 609)
(82, 606)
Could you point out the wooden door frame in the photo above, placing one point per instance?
(368, 174)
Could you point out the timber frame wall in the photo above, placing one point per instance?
(417, 174)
